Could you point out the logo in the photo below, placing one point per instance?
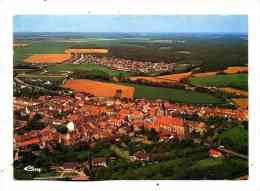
(32, 169)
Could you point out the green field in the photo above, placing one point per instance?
(178, 95)
(86, 68)
(43, 77)
(239, 81)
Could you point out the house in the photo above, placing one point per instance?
(99, 162)
(215, 153)
(167, 126)
(70, 166)
(29, 142)
(140, 156)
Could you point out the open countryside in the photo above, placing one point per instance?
(154, 105)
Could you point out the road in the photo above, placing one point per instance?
(233, 153)
(19, 81)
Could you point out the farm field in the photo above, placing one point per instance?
(17, 45)
(47, 58)
(20, 71)
(175, 77)
(204, 74)
(149, 79)
(241, 102)
(99, 88)
(177, 95)
(181, 68)
(239, 81)
(87, 51)
(152, 47)
(40, 76)
(235, 91)
(38, 47)
(236, 69)
(83, 68)
(172, 78)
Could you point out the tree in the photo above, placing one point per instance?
(35, 123)
(236, 138)
(151, 134)
(62, 129)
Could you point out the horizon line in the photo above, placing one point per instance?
(127, 32)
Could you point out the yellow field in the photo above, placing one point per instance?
(101, 89)
(175, 77)
(47, 58)
(149, 79)
(236, 69)
(241, 102)
(235, 91)
(87, 51)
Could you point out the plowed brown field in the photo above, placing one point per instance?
(101, 89)
(47, 58)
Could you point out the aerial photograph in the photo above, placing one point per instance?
(130, 97)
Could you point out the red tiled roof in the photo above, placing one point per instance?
(123, 112)
(168, 120)
(214, 152)
(30, 142)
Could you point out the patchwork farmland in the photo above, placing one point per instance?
(130, 106)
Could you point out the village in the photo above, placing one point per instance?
(101, 112)
(100, 118)
(84, 119)
(83, 56)
(126, 64)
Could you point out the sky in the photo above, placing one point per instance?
(154, 24)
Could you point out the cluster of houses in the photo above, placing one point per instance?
(89, 119)
(127, 65)
(94, 118)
